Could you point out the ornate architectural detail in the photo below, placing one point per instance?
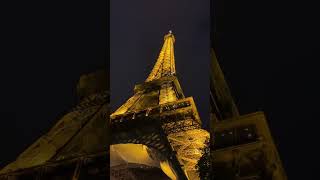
(160, 117)
(165, 65)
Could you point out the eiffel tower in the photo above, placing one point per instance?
(76, 147)
(243, 148)
(158, 128)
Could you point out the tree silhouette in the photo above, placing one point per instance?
(204, 165)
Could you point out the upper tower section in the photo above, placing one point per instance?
(165, 65)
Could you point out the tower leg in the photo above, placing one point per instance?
(77, 170)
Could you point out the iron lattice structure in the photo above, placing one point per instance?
(243, 146)
(160, 117)
(76, 146)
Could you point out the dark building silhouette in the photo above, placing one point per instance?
(242, 146)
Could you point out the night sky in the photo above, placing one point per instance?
(137, 29)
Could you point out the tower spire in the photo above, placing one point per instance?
(165, 65)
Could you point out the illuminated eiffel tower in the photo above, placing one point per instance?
(76, 146)
(243, 147)
(158, 128)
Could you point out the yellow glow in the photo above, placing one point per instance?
(165, 64)
(139, 154)
(167, 170)
(131, 153)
